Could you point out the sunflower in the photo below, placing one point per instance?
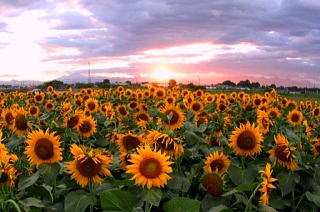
(20, 123)
(196, 106)
(8, 174)
(34, 111)
(89, 165)
(8, 116)
(50, 89)
(213, 183)
(73, 121)
(316, 146)
(149, 168)
(213, 141)
(43, 147)
(91, 105)
(87, 126)
(125, 158)
(66, 108)
(273, 112)
(127, 142)
(316, 112)
(266, 185)
(216, 162)
(246, 140)
(295, 117)
(163, 142)
(263, 121)
(170, 100)
(49, 105)
(133, 105)
(122, 111)
(177, 117)
(160, 93)
(38, 98)
(282, 153)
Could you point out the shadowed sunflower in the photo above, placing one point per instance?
(246, 140)
(213, 183)
(166, 144)
(20, 123)
(66, 108)
(177, 117)
(142, 118)
(263, 121)
(316, 146)
(295, 117)
(88, 165)
(274, 112)
(43, 147)
(216, 162)
(125, 159)
(122, 111)
(266, 185)
(149, 168)
(8, 174)
(282, 153)
(127, 142)
(8, 116)
(87, 126)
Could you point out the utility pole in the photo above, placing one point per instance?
(89, 73)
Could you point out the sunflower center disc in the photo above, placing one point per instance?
(142, 117)
(88, 167)
(196, 107)
(216, 164)
(150, 168)
(73, 121)
(282, 153)
(295, 117)
(122, 111)
(44, 149)
(175, 117)
(91, 106)
(246, 140)
(130, 142)
(21, 122)
(85, 127)
(213, 184)
(318, 148)
(33, 110)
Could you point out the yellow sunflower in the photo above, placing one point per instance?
(8, 116)
(266, 185)
(127, 142)
(87, 126)
(20, 123)
(91, 105)
(274, 112)
(283, 153)
(160, 93)
(316, 146)
(34, 111)
(149, 168)
(73, 121)
(166, 144)
(246, 140)
(177, 117)
(196, 106)
(295, 117)
(122, 111)
(39, 98)
(216, 162)
(89, 165)
(263, 121)
(8, 174)
(43, 147)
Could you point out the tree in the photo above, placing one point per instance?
(128, 82)
(229, 83)
(106, 81)
(172, 82)
(56, 84)
(244, 84)
(255, 85)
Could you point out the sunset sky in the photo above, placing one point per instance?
(270, 41)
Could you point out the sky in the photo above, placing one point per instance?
(207, 41)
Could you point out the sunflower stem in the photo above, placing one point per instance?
(242, 162)
(292, 201)
(299, 202)
(147, 208)
(16, 206)
(249, 205)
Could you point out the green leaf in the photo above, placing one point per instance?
(266, 208)
(179, 182)
(78, 201)
(246, 187)
(32, 202)
(315, 198)
(153, 196)
(242, 176)
(219, 208)
(117, 200)
(26, 182)
(292, 136)
(50, 172)
(182, 204)
(286, 182)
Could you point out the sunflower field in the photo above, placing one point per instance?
(158, 149)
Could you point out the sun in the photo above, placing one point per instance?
(162, 73)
